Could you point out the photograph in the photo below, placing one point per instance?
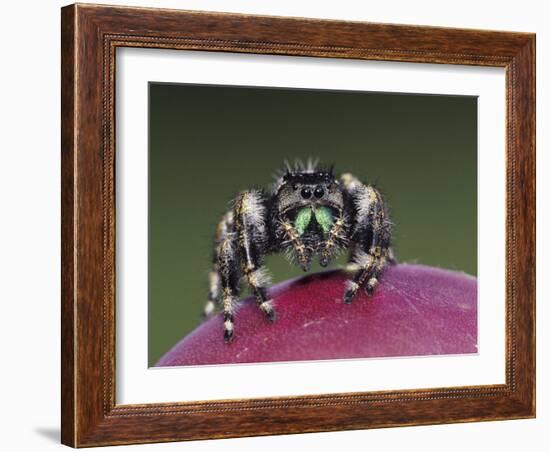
(309, 224)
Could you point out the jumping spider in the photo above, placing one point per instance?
(308, 213)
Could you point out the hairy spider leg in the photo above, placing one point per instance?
(336, 240)
(225, 226)
(230, 276)
(372, 237)
(250, 224)
(301, 252)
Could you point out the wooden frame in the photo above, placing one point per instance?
(90, 35)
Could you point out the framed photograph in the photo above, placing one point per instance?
(281, 225)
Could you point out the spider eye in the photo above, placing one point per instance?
(306, 193)
(319, 192)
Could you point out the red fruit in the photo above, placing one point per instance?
(416, 310)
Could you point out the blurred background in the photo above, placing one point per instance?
(209, 142)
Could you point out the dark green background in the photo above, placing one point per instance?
(209, 142)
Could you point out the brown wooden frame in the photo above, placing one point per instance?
(90, 35)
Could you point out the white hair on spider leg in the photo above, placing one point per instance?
(351, 285)
(226, 251)
(260, 277)
(254, 209)
(214, 282)
(267, 306)
(209, 307)
(362, 259)
(365, 196)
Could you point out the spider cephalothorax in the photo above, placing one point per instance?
(309, 214)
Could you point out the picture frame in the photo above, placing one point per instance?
(91, 34)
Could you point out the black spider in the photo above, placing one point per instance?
(308, 213)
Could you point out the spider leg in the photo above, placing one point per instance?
(225, 227)
(370, 265)
(336, 239)
(214, 282)
(250, 225)
(371, 236)
(301, 252)
(229, 271)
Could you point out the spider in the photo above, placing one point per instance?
(308, 213)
